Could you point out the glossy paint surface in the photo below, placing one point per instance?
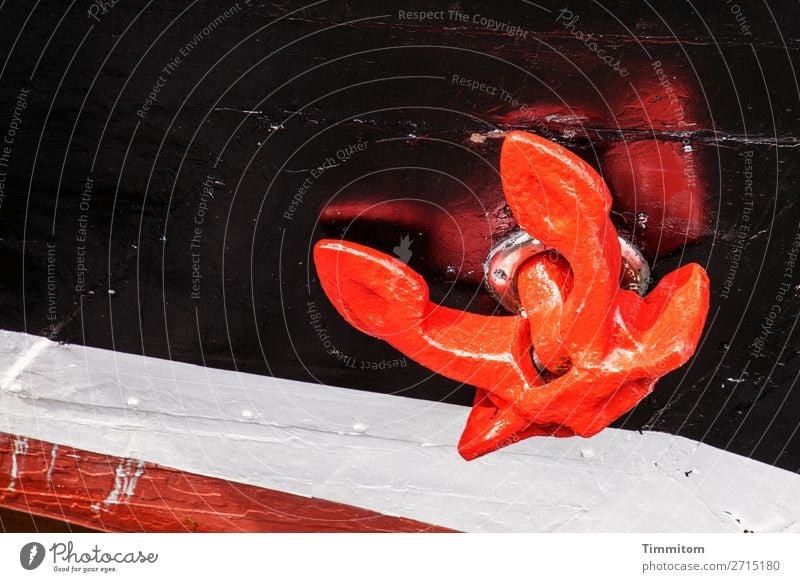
(605, 346)
(276, 90)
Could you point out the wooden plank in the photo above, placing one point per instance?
(125, 495)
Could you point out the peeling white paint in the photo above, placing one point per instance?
(53, 455)
(234, 109)
(20, 449)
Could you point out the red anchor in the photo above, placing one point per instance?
(600, 348)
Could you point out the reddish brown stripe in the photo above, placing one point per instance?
(78, 487)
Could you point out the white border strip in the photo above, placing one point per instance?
(389, 454)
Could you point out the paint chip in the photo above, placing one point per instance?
(125, 479)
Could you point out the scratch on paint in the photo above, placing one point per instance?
(20, 448)
(53, 453)
(245, 111)
(125, 479)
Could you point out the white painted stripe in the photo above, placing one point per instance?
(52, 465)
(389, 454)
(20, 450)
